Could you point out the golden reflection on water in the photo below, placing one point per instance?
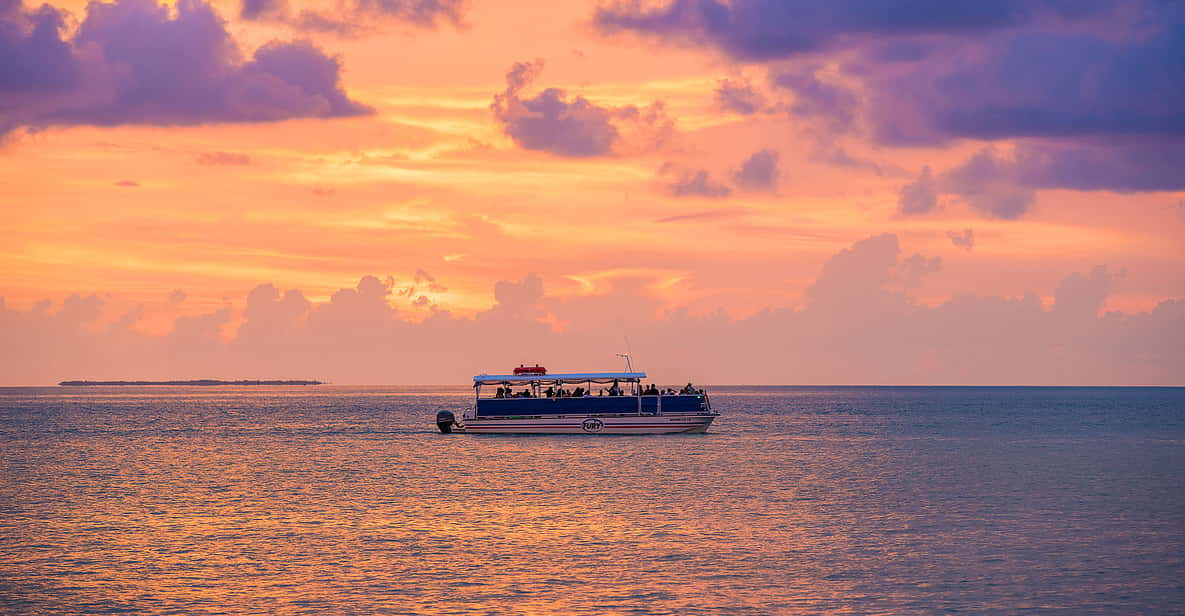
(349, 503)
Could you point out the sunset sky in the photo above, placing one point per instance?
(755, 191)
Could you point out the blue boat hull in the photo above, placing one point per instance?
(592, 405)
(672, 414)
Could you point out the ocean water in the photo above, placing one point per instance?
(798, 501)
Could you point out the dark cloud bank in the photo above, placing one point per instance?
(856, 326)
(138, 62)
(1090, 91)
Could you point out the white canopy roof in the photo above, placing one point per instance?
(572, 376)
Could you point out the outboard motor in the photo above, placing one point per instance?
(445, 421)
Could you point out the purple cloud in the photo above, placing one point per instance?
(1092, 88)
(36, 60)
(836, 107)
(988, 182)
(987, 84)
(319, 22)
(549, 122)
(919, 196)
(1042, 83)
(759, 172)
(418, 12)
(137, 62)
(738, 96)
(760, 30)
(832, 154)
(964, 240)
(698, 184)
(1124, 166)
(1005, 186)
(353, 17)
(128, 184)
(1113, 84)
(263, 9)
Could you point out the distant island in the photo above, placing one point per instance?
(195, 382)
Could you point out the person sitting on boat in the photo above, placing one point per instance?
(615, 388)
(578, 392)
(550, 392)
(687, 390)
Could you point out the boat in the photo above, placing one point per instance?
(531, 401)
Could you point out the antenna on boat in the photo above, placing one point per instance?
(629, 367)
